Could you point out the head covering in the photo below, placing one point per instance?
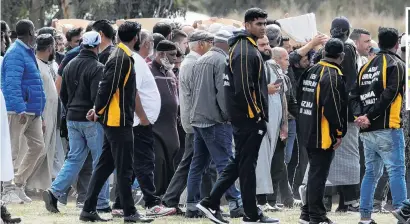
(91, 38)
(214, 27)
(340, 25)
(405, 39)
(166, 45)
(157, 38)
(222, 36)
(334, 47)
(44, 40)
(200, 35)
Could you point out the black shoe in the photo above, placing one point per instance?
(91, 217)
(6, 216)
(343, 209)
(236, 213)
(214, 216)
(105, 210)
(193, 214)
(404, 218)
(326, 221)
(137, 218)
(179, 211)
(50, 201)
(262, 219)
(371, 222)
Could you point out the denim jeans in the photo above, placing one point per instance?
(290, 141)
(84, 137)
(383, 148)
(212, 143)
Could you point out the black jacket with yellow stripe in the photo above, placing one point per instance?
(115, 102)
(245, 80)
(379, 91)
(322, 100)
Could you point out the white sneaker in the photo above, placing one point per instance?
(22, 194)
(10, 197)
(160, 210)
(302, 193)
(268, 208)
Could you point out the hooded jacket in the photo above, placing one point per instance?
(322, 102)
(245, 80)
(379, 91)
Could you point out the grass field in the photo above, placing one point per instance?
(35, 213)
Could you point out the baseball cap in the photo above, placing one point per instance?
(91, 38)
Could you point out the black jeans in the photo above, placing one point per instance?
(83, 179)
(248, 137)
(179, 180)
(144, 164)
(297, 167)
(320, 161)
(348, 194)
(117, 153)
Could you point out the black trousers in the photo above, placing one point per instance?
(297, 167)
(320, 161)
(117, 153)
(179, 180)
(144, 165)
(348, 194)
(83, 179)
(248, 137)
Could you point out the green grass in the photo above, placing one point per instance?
(35, 213)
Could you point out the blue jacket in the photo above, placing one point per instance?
(21, 80)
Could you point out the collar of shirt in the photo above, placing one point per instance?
(22, 43)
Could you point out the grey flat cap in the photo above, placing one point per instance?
(222, 36)
(200, 35)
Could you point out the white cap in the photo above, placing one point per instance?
(404, 39)
(91, 38)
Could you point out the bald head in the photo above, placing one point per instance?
(281, 56)
(188, 29)
(146, 44)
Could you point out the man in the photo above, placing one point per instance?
(147, 44)
(107, 33)
(200, 43)
(60, 42)
(373, 50)
(377, 99)
(322, 124)
(6, 30)
(114, 107)
(181, 40)
(187, 29)
(246, 99)
(273, 32)
(25, 101)
(77, 95)
(207, 146)
(157, 38)
(163, 28)
(362, 40)
(50, 30)
(277, 121)
(166, 141)
(73, 37)
(285, 43)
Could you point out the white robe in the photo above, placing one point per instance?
(43, 171)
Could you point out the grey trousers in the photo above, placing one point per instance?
(179, 180)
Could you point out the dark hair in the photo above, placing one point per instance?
(73, 33)
(283, 40)
(23, 27)
(89, 27)
(128, 30)
(355, 35)
(273, 21)
(255, 13)
(157, 38)
(105, 27)
(59, 36)
(178, 35)
(4, 26)
(388, 37)
(13, 34)
(333, 48)
(162, 28)
(44, 41)
(47, 30)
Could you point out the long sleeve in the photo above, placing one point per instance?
(110, 80)
(12, 72)
(245, 66)
(332, 90)
(95, 81)
(64, 93)
(394, 83)
(219, 71)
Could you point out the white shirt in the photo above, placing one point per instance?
(147, 89)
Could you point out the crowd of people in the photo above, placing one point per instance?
(198, 107)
